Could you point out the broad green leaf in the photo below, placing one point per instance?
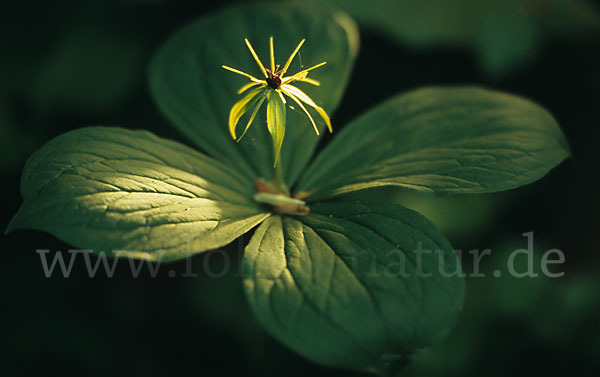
(196, 94)
(347, 286)
(132, 193)
(443, 141)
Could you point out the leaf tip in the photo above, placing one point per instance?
(15, 223)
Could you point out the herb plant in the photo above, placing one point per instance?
(320, 271)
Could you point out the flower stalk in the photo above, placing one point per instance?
(279, 181)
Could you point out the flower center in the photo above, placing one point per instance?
(274, 81)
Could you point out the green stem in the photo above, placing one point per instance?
(279, 182)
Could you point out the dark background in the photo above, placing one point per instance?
(72, 63)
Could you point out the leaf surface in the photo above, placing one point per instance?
(347, 286)
(442, 141)
(126, 192)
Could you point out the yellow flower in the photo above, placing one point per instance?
(272, 90)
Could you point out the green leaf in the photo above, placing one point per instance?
(196, 94)
(345, 286)
(441, 140)
(276, 122)
(132, 193)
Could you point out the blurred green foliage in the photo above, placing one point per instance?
(519, 325)
(502, 34)
(70, 58)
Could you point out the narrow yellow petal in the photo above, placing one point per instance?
(301, 76)
(247, 86)
(281, 96)
(272, 54)
(253, 115)
(314, 66)
(241, 73)
(307, 100)
(303, 108)
(241, 107)
(300, 94)
(295, 77)
(289, 61)
(310, 81)
(260, 65)
(325, 117)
